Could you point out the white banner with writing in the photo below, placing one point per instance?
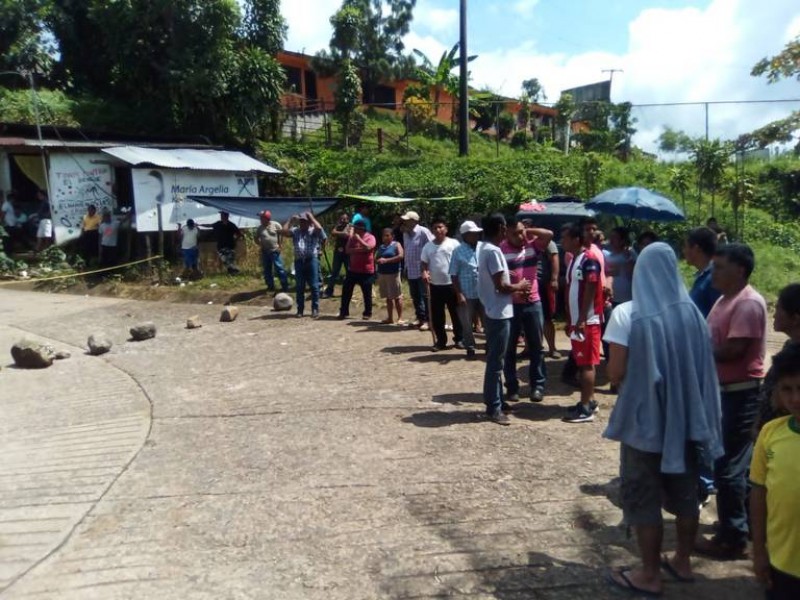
(76, 181)
(172, 186)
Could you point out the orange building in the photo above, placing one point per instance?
(306, 91)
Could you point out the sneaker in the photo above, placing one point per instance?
(506, 407)
(512, 397)
(500, 418)
(592, 405)
(366, 317)
(315, 314)
(537, 396)
(581, 415)
(424, 327)
(459, 345)
(437, 348)
(299, 315)
(342, 317)
(415, 323)
(470, 352)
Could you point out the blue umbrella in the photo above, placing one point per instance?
(636, 203)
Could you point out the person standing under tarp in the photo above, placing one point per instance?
(226, 234)
(90, 234)
(269, 236)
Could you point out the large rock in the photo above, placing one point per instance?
(98, 344)
(193, 322)
(143, 331)
(30, 355)
(229, 313)
(282, 301)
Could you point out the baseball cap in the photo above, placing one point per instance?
(266, 214)
(469, 227)
(410, 216)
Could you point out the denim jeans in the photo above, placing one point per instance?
(190, 256)
(364, 281)
(528, 319)
(306, 271)
(417, 288)
(466, 313)
(340, 260)
(497, 331)
(268, 259)
(739, 410)
(444, 296)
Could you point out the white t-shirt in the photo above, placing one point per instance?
(11, 217)
(188, 238)
(490, 262)
(437, 257)
(618, 329)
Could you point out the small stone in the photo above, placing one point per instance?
(282, 301)
(229, 313)
(98, 344)
(62, 355)
(30, 355)
(193, 322)
(143, 331)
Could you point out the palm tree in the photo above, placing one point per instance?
(679, 178)
(710, 158)
(440, 77)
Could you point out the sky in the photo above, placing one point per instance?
(669, 51)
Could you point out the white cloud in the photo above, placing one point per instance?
(524, 8)
(437, 20)
(309, 24)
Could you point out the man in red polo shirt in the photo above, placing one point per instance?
(360, 249)
(584, 319)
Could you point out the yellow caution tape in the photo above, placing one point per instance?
(82, 273)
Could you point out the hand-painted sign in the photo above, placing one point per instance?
(76, 181)
(170, 188)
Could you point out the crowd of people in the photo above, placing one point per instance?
(696, 412)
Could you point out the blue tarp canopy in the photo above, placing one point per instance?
(281, 208)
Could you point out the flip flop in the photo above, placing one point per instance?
(627, 585)
(673, 573)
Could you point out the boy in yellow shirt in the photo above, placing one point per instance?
(775, 497)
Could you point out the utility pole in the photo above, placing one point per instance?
(611, 76)
(463, 88)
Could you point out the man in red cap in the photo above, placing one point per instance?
(269, 236)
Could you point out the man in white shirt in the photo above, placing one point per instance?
(435, 266)
(495, 290)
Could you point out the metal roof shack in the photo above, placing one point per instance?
(187, 158)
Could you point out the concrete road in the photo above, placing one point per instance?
(274, 457)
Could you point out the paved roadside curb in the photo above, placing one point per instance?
(67, 434)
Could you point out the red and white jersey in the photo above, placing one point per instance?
(585, 268)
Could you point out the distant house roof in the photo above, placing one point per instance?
(189, 158)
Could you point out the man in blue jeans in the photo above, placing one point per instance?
(523, 248)
(341, 233)
(269, 236)
(738, 324)
(415, 236)
(495, 292)
(307, 237)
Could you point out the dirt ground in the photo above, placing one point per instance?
(291, 458)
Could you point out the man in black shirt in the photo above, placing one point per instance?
(341, 234)
(226, 234)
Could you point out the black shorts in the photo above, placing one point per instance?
(646, 490)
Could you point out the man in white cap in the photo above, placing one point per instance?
(415, 236)
(464, 274)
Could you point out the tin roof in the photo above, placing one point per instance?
(188, 158)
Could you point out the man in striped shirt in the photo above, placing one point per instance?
(415, 236)
(523, 248)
